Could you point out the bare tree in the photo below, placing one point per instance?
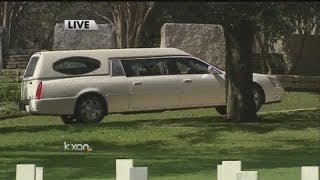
(127, 19)
(263, 42)
(303, 18)
(11, 10)
(4, 14)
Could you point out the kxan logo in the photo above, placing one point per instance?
(77, 147)
(80, 25)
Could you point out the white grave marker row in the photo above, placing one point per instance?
(231, 170)
(228, 170)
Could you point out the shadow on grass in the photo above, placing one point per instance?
(160, 159)
(265, 123)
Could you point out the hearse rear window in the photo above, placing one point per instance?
(76, 65)
(31, 67)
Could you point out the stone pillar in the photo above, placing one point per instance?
(104, 38)
(204, 41)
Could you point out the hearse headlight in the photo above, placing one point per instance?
(274, 81)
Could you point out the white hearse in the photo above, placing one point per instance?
(83, 86)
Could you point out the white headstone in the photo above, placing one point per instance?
(230, 169)
(310, 173)
(25, 171)
(139, 173)
(219, 172)
(247, 175)
(39, 173)
(123, 169)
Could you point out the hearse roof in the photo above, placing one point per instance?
(116, 53)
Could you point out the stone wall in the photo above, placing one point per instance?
(300, 83)
(205, 41)
(104, 38)
(18, 58)
(17, 61)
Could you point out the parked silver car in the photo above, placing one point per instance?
(85, 85)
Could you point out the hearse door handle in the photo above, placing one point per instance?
(137, 83)
(187, 80)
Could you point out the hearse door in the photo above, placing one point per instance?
(150, 87)
(198, 87)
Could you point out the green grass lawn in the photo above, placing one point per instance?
(176, 145)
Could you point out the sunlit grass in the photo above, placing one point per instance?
(174, 145)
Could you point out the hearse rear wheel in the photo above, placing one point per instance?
(90, 109)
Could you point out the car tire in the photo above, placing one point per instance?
(258, 98)
(69, 119)
(222, 110)
(90, 109)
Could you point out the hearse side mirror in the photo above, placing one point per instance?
(212, 70)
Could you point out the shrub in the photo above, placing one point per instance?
(9, 108)
(9, 92)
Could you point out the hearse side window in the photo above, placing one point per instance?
(76, 65)
(186, 66)
(116, 68)
(31, 67)
(143, 67)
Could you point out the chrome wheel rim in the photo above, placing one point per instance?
(256, 97)
(90, 109)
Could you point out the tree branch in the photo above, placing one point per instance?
(104, 18)
(150, 8)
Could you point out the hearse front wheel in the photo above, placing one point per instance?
(69, 119)
(258, 98)
(222, 110)
(90, 109)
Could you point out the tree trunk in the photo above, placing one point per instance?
(259, 38)
(9, 27)
(239, 83)
(287, 54)
(4, 20)
(265, 53)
